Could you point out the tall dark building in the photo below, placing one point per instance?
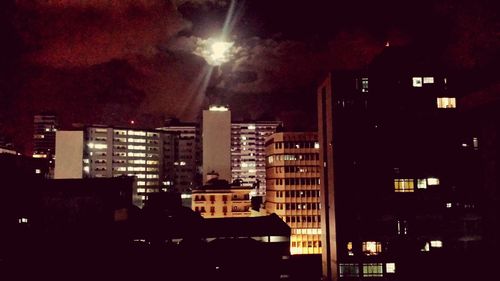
(400, 168)
(44, 135)
(182, 155)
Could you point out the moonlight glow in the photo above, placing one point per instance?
(215, 52)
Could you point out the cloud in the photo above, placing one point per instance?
(83, 33)
(198, 3)
(287, 65)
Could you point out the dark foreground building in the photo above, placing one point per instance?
(401, 174)
(88, 229)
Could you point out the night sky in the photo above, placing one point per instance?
(95, 62)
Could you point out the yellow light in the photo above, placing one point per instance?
(39, 155)
(218, 108)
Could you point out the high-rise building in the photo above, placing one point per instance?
(182, 160)
(248, 158)
(216, 138)
(293, 190)
(44, 135)
(112, 152)
(399, 172)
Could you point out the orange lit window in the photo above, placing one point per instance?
(404, 185)
(446, 102)
(372, 248)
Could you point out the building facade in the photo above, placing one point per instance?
(216, 139)
(112, 152)
(248, 158)
(182, 160)
(293, 190)
(398, 170)
(219, 199)
(44, 135)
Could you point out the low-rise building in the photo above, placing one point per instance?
(219, 199)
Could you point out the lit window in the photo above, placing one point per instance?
(100, 146)
(137, 140)
(372, 248)
(428, 80)
(372, 270)
(141, 190)
(349, 249)
(446, 102)
(217, 108)
(426, 247)
(141, 183)
(436, 244)
(390, 267)
(417, 81)
(251, 127)
(137, 147)
(37, 171)
(475, 143)
(433, 181)
(364, 85)
(136, 133)
(23, 220)
(403, 185)
(86, 169)
(421, 183)
(316, 145)
(136, 154)
(138, 161)
(349, 270)
(448, 205)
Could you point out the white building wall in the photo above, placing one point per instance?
(216, 137)
(69, 155)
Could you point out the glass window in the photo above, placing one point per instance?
(372, 248)
(421, 183)
(428, 80)
(364, 85)
(372, 270)
(350, 252)
(433, 181)
(417, 81)
(390, 267)
(349, 270)
(436, 244)
(446, 102)
(475, 143)
(403, 185)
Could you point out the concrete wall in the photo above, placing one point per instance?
(69, 155)
(216, 137)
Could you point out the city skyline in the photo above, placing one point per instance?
(242, 140)
(137, 60)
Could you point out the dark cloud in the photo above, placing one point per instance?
(111, 61)
(83, 33)
(474, 33)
